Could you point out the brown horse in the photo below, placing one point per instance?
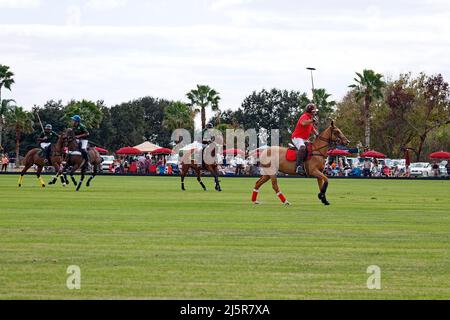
(273, 159)
(33, 157)
(187, 163)
(75, 160)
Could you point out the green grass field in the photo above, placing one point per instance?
(143, 238)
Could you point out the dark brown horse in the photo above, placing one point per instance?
(34, 157)
(187, 163)
(75, 160)
(273, 159)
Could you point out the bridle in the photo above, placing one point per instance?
(329, 143)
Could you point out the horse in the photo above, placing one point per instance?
(34, 157)
(187, 163)
(75, 160)
(273, 159)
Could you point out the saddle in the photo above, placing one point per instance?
(291, 154)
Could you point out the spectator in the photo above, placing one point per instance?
(376, 172)
(435, 169)
(356, 171)
(366, 168)
(386, 171)
(5, 162)
(447, 166)
(169, 169)
(239, 165)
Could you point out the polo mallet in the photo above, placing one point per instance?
(316, 118)
(40, 122)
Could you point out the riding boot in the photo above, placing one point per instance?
(299, 163)
(85, 156)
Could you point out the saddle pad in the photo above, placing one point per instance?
(74, 153)
(291, 154)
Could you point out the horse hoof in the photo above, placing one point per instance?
(326, 203)
(43, 186)
(20, 185)
(287, 204)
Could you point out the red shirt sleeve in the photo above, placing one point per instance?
(302, 131)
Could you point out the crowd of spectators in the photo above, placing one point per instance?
(142, 165)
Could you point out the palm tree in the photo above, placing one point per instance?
(20, 121)
(6, 79)
(368, 86)
(325, 106)
(204, 97)
(4, 107)
(179, 115)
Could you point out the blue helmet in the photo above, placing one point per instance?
(76, 118)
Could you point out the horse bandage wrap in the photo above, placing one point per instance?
(282, 197)
(255, 195)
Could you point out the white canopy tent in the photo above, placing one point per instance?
(147, 147)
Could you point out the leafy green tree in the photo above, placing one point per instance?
(105, 134)
(274, 109)
(129, 124)
(19, 121)
(89, 112)
(368, 87)
(431, 110)
(179, 115)
(204, 97)
(52, 112)
(154, 111)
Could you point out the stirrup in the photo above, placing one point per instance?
(300, 170)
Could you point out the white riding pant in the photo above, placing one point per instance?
(298, 142)
(83, 143)
(45, 144)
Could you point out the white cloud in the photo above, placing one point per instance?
(73, 17)
(218, 5)
(236, 49)
(106, 4)
(20, 3)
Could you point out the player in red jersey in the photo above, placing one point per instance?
(305, 126)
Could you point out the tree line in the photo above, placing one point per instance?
(386, 115)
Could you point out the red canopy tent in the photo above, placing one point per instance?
(162, 151)
(129, 151)
(373, 154)
(440, 155)
(101, 150)
(234, 152)
(338, 152)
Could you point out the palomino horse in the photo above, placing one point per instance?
(273, 159)
(33, 157)
(75, 160)
(188, 163)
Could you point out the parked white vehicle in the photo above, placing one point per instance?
(420, 169)
(400, 163)
(107, 161)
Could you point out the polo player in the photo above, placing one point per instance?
(81, 133)
(305, 126)
(46, 139)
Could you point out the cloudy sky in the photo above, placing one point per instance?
(117, 50)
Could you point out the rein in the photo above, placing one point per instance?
(328, 141)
